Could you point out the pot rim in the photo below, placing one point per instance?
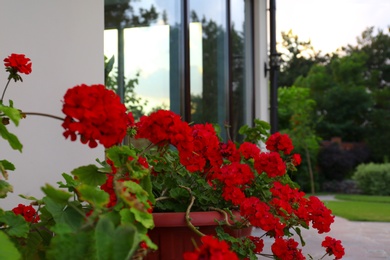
(198, 219)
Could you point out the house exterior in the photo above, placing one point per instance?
(202, 59)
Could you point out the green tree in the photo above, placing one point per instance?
(297, 58)
(343, 100)
(296, 110)
(377, 77)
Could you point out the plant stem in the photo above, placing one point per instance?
(43, 114)
(188, 219)
(223, 213)
(5, 89)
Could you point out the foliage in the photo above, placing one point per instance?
(297, 57)
(104, 211)
(336, 163)
(351, 90)
(296, 118)
(373, 179)
(132, 102)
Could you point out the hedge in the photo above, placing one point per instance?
(373, 179)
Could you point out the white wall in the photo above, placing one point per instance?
(64, 40)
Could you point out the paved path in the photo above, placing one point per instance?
(361, 240)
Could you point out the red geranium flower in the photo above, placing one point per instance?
(19, 62)
(333, 247)
(296, 159)
(96, 114)
(28, 212)
(211, 249)
(279, 142)
(287, 249)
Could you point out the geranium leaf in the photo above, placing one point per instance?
(67, 244)
(64, 213)
(13, 113)
(90, 175)
(97, 197)
(5, 187)
(17, 226)
(7, 248)
(11, 138)
(120, 154)
(126, 242)
(143, 217)
(56, 194)
(104, 234)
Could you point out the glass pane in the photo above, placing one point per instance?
(146, 33)
(241, 47)
(208, 59)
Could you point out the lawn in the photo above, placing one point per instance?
(361, 208)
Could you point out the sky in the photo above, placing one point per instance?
(330, 24)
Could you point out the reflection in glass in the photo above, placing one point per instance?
(241, 64)
(209, 94)
(142, 41)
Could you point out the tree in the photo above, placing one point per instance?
(343, 101)
(377, 77)
(297, 58)
(296, 111)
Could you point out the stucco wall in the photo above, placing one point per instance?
(64, 40)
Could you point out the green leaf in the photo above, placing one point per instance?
(97, 197)
(5, 187)
(6, 165)
(67, 244)
(145, 218)
(90, 175)
(56, 194)
(104, 234)
(8, 251)
(120, 154)
(126, 242)
(146, 183)
(17, 225)
(69, 215)
(11, 138)
(13, 113)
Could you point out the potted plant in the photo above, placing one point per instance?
(105, 210)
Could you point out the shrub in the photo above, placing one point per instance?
(373, 179)
(337, 163)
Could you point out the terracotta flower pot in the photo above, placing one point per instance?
(174, 237)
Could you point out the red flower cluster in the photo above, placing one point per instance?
(96, 114)
(205, 155)
(249, 150)
(211, 249)
(229, 151)
(28, 212)
(320, 215)
(259, 244)
(279, 142)
(165, 127)
(286, 200)
(333, 247)
(270, 163)
(287, 249)
(296, 159)
(18, 63)
(259, 215)
(235, 178)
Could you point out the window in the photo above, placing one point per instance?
(194, 57)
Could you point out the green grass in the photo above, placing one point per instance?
(367, 198)
(361, 208)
